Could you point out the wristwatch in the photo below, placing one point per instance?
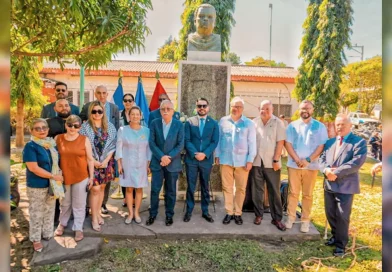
(275, 161)
(308, 160)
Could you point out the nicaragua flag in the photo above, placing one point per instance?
(118, 95)
(141, 100)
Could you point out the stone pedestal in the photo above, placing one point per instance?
(210, 80)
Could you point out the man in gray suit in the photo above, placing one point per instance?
(101, 94)
(340, 162)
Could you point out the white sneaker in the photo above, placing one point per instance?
(305, 226)
(288, 223)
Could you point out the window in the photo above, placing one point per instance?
(284, 109)
(86, 97)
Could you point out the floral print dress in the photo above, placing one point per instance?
(102, 175)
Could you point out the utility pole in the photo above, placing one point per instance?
(360, 52)
(81, 95)
(270, 45)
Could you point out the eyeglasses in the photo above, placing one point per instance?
(96, 111)
(61, 90)
(162, 99)
(39, 129)
(166, 109)
(237, 107)
(202, 106)
(74, 126)
(127, 100)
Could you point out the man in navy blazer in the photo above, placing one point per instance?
(340, 162)
(201, 139)
(48, 110)
(166, 143)
(157, 113)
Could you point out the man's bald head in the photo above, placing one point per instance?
(62, 108)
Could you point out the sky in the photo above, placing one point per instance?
(250, 36)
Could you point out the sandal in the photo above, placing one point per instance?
(38, 246)
(78, 236)
(59, 230)
(96, 227)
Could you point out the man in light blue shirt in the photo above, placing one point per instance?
(235, 153)
(305, 139)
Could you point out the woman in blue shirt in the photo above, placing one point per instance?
(41, 158)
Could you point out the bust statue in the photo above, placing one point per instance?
(203, 39)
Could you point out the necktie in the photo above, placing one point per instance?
(341, 141)
(201, 127)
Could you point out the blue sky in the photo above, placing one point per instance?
(250, 36)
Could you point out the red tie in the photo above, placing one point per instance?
(341, 141)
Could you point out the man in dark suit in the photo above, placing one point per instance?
(101, 94)
(57, 124)
(48, 111)
(157, 113)
(201, 139)
(340, 162)
(166, 142)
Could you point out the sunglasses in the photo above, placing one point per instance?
(128, 100)
(202, 106)
(61, 90)
(97, 111)
(166, 109)
(74, 126)
(39, 129)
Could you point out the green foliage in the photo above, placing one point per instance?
(88, 32)
(233, 58)
(326, 34)
(167, 51)
(223, 24)
(362, 83)
(260, 61)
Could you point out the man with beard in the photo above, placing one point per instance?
(235, 153)
(201, 139)
(57, 124)
(49, 111)
(305, 139)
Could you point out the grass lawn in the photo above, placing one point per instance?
(250, 255)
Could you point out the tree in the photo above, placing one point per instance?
(260, 61)
(233, 58)
(167, 51)
(327, 30)
(362, 81)
(223, 24)
(86, 32)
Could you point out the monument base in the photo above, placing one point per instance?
(204, 56)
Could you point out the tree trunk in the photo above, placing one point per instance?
(20, 122)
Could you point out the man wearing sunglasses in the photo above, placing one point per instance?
(113, 116)
(201, 139)
(157, 113)
(61, 92)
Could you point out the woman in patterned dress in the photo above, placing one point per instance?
(133, 157)
(102, 136)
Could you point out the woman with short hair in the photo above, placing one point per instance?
(102, 136)
(42, 164)
(77, 165)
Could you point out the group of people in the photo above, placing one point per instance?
(86, 153)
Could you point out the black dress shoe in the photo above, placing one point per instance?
(104, 210)
(208, 218)
(330, 242)
(227, 219)
(87, 212)
(338, 252)
(187, 217)
(124, 205)
(238, 219)
(169, 221)
(150, 220)
(279, 225)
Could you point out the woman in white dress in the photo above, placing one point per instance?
(133, 156)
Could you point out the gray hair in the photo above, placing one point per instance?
(36, 121)
(237, 99)
(344, 117)
(264, 102)
(101, 86)
(164, 102)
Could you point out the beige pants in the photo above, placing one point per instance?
(41, 212)
(239, 176)
(301, 179)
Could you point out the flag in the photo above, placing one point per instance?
(118, 94)
(154, 103)
(141, 100)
